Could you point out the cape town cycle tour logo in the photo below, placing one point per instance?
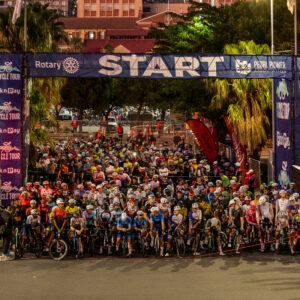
(7, 147)
(7, 187)
(7, 108)
(8, 68)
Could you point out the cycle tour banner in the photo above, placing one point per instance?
(283, 131)
(10, 125)
(156, 66)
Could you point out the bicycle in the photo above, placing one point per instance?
(282, 240)
(179, 243)
(58, 248)
(196, 243)
(141, 239)
(17, 243)
(124, 243)
(74, 247)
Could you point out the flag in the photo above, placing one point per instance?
(204, 138)
(17, 11)
(291, 5)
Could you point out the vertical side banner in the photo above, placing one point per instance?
(283, 131)
(297, 113)
(239, 150)
(10, 125)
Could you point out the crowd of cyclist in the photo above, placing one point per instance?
(124, 194)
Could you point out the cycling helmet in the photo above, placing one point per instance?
(60, 201)
(210, 184)
(195, 205)
(116, 204)
(140, 213)
(34, 212)
(89, 207)
(248, 198)
(32, 202)
(72, 201)
(163, 200)
(177, 208)
(236, 199)
(262, 200)
(296, 196)
(275, 193)
(219, 181)
(151, 196)
(75, 215)
(252, 204)
(282, 192)
(99, 186)
(123, 216)
(232, 201)
(154, 209)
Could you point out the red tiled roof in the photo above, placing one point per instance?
(134, 46)
(100, 23)
(113, 32)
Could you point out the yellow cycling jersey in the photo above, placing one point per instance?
(72, 210)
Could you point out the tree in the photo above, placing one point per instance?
(247, 101)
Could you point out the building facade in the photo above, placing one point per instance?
(109, 8)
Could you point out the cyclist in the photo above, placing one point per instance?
(281, 223)
(72, 209)
(34, 223)
(195, 218)
(175, 224)
(294, 234)
(213, 226)
(105, 222)
(124, 227)
(140, 225)
(237, 224)
(157, 226)
(282, 203)
(265, 216)
(77, 225)
(251, 218)
(89, 217)
(59, 217)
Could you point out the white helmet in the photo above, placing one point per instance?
(177, 208)
(195, 205)
(232, 201)
(154, 208)
(72, 201)
(163, 200)
(262, 200)
(90, 207)
(296, 196)
(32, 202)
(123, 216)
(233, 182)
(60, 201)
(34, 212)
(140, 213)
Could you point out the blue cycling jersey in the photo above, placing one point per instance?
(157, 220)
(139, 224)
(124, 224)
(89, 219)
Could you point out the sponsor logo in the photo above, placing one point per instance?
(283, 140)
(7, 147)
(242, 67)
(71, 65)
(283, 110)
(282, 90)
(10, 91)
(7, 108)
(283, 177)
(10, 130)
(10, 171)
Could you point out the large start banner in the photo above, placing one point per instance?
(156, 66)
(10, 125)
(283, 131)
(297, 112)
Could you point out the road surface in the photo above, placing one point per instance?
(249, 276)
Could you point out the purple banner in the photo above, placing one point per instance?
(283, 131)
(297, 113)
(10, 125)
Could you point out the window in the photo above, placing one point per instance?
(93, 1)
(125, 13)
(109, 7)
(91, 35)
(93, 13)
(131, 13)
(70, 35)
(101, 35)
(94, 7)
(86, 13)
(86, 1)
(63, 3)
(131, 6)
(125, 7)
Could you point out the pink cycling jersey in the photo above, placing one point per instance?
(251, 216)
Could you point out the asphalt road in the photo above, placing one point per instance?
(249, 276)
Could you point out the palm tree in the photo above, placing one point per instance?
(247, 101)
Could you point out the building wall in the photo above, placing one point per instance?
(109, 8)
(155, 8)
(59, 5)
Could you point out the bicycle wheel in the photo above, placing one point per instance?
(124, 245)
(223, 239)
(142, 245)
(38, 249)
(180, 247)
(196, 244)
(58, 249)
(156, 245)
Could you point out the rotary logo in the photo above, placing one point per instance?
(71, 65)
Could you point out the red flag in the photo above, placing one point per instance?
(204, 138)
(210, 126)
(239, 150)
